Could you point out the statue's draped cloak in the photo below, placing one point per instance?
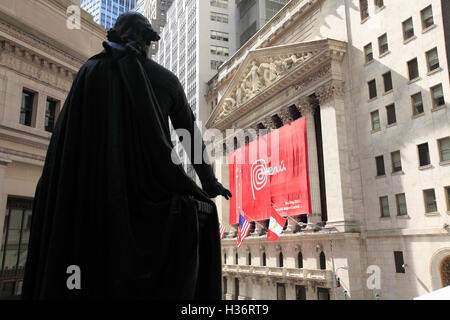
(111, 201)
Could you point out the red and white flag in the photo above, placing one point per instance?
(222, 230)
(276, 225)
(243, 229)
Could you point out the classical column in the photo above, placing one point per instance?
(307, 110)
(3, 195)
(268, 123)
(337, 144)
(285, 115)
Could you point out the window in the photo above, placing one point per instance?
(375, 118)
(322, 261)
(218, 35)
(399, 263)
(408, 29)
(372, 89)
(220, 51)
(384, 206)
(447, 195)
(280, 257)
(429, 197)
(300, 260)
(413, 69)
(432, 59)
(427, 17)
(249, 259)
(383, 44)
(437, 95)
(364, 9)
(417, 103)
(368, 51)
(225, 258)
(215, 64)
(219, 3)
(219, 17)
(391, 116)
(323, 294)
(379, 4)
(444, 149)
(396, 161)
(300, 292)
(26, 110)
(236, 288)
(50, 114)
(281, 291)
(387, 78)
(236, 258)
(264, 259)
(14, 246)
(424, 154)
(380, 166)
(401, 204)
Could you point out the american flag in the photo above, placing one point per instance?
(222, 230)
(243, 229)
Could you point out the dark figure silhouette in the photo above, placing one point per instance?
(110, 200)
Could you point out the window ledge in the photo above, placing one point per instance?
(380, 177)
(388, 92)
(434, 109)
(414, 80)
(410, 39)
(444, 163)
(386, 218)
(379, 9)
(365, 19)
(403, 217)
(437, 70)
(432, 214)
(391, 125)
(419, 115)
(369, 62)
(429, 28)
(398, 173)
(428, 166)
(372, 99)
(384, 54)
(375, 131)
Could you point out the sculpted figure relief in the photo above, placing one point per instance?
(269, 71)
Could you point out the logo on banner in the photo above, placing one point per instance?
(260, 172)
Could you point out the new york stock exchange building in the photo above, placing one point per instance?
(370, 81)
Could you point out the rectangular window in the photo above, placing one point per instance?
(368, 51)
(375, 118)
(408, 29)
(364, 9)
(401, 204)
(432, 59)
(372, 89)
(379, 4)
(383, 44)
(447, 196)
(424, 154)
(427, 17)
(220, 51)
(50, 114)
(384, 206)
(387, 78)
(219, 3)
(380, 166)
(300, 292)
(413, 69)
(281, 291)
(417, 103)
(218, 35)
(215, 64)
(444, 149)
(399, 262)
(396, 161)
(429, 198)
(219, 17)
(26, 110)
(391, 116)
(437, 95)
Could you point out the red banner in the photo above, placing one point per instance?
(271, 171)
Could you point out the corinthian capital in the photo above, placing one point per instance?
(306, 106)
(268, 123)
(332, 90)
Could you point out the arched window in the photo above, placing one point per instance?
(445, 271)
(300, 260)
(249, 259)
(322, 261)
(264, 259)
(225, 258)
(281, 259)
(236, 258)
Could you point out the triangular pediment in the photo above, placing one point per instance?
(266, 68)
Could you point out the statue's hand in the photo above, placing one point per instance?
(217, 190)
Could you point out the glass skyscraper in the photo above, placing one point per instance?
(105, 12)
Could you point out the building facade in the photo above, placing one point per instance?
(372, 79)
(39, 59)
(106, 12)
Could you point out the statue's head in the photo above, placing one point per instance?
(133, 27)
